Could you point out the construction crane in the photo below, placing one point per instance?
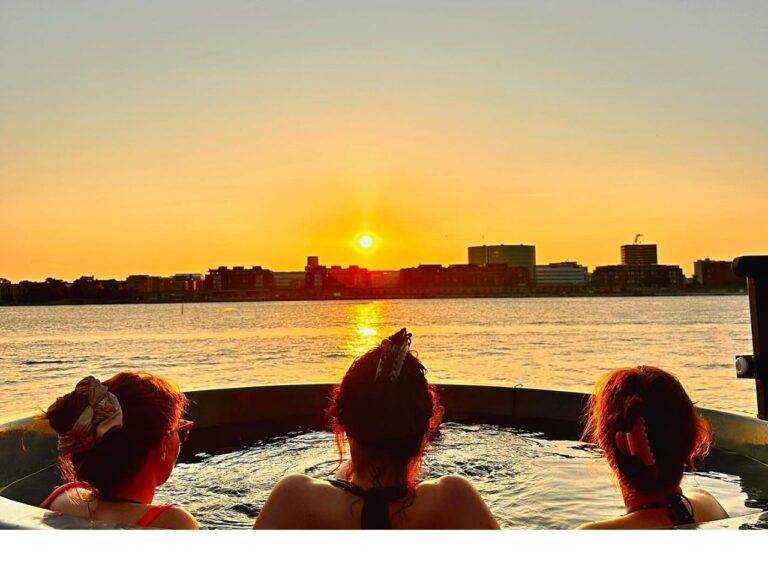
(637, 238)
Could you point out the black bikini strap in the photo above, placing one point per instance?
(680, 513)
(347, 486)
(679, 506)
(375, 513)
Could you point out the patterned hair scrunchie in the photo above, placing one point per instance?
(101, 416)
(394, 349)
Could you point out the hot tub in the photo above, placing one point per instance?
(519, 446)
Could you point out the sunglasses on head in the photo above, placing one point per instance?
(184, 430)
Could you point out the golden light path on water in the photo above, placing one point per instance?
(365, 319)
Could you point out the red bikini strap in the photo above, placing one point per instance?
(61, 489)
(152, 514)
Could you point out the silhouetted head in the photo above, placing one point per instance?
(110, 431)
(646, 426)
(386, 407)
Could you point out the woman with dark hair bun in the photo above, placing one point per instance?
(118, 441)
(387, 412)
(648, 429)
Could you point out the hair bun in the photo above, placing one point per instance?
(88, 413)
(65, 411)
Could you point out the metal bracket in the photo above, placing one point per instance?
(746, 366)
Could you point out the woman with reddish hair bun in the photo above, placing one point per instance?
(118, 441)
(386, 412)
(648, 430)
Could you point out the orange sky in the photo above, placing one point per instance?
(125, 148)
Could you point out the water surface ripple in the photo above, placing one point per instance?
(528, 481)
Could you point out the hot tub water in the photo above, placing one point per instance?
(528, 480)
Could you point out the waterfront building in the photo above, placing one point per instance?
(561, 275)
(186, 282)
(6, 290)
(52, 290)
(253, 281)
(620, 278)
(422, 277)
(314, 274)
(513, 255)
(138, 283)
(716, 274)
(146, 284)
(91, 288)
(463, 279)
(385, 278)
(351, 277)
(335, 278)
(290, 281)
(639, 254)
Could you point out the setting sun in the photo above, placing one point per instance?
(365, 241)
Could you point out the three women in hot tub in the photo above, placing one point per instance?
(648, 429)
(386, 412)
(117, 442)
(120, 439)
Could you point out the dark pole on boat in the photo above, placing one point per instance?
(755, 270)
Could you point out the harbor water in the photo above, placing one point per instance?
(563, 343)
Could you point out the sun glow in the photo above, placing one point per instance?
(365, 241)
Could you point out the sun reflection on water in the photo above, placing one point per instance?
(365, 321)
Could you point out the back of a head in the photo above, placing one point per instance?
(391, 416)
(150, 406)
(676, 432)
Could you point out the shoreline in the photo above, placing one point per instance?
(185, 299)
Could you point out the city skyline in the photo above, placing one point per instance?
(492, 271)
(137, 139)
(308, 262)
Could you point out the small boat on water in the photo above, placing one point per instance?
(230, 418)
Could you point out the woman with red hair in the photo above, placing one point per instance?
(118, 441)
(648, 430)
(387, 412)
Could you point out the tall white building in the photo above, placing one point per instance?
(561, 274)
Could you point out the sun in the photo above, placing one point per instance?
(365, 241)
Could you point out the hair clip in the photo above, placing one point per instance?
(393, 352)
(635, 442)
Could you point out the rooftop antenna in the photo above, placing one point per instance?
(637, 238)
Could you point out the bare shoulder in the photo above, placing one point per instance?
(295, 481)
(456, 483)
(706, 506)
(462, 505)
(455, 486)
(296, 486)
(286, 505)
(698, 494)
(175, 518)
(73, 501)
